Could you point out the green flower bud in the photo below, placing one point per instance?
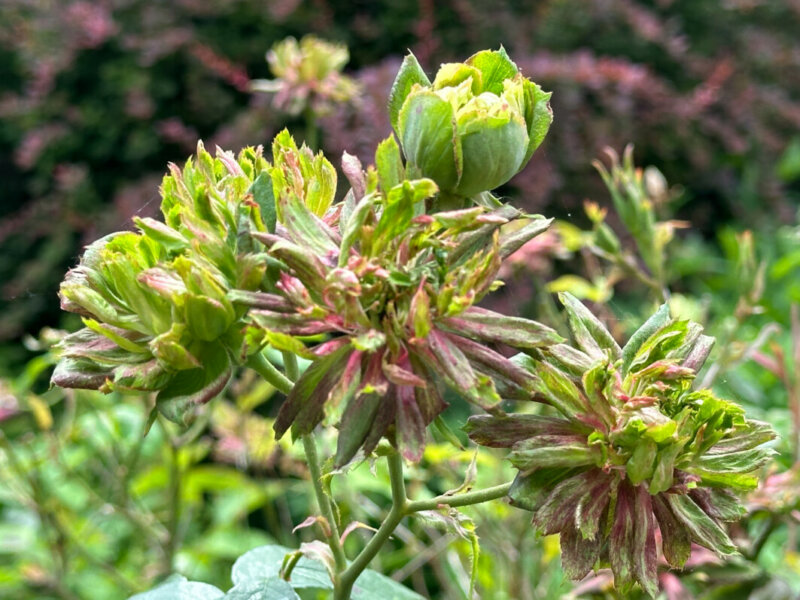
(472, 129)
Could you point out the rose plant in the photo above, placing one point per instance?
(376, 296)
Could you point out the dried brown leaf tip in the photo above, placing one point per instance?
(391, 290)
(633, 448)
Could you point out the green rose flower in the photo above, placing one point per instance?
(472, 129)
(633, 449)
(155, 302)
(395, 290)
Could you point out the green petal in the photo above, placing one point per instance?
(428, 134)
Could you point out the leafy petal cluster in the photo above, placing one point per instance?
(307, 73)
(633, 449)
(155, 302)
(394, 288)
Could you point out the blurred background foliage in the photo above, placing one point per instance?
(96, 97)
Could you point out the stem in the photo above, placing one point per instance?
(396, 514)
(402, 507)
(324, 502)
(476, 497)
(312, 132)
(259, 363)
(174, 504)
(290, 365)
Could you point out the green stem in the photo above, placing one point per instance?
(259, 363)
(175, 477)
(290, 365)
(324, 501)
(467, 499)
(396, 514)
(312, 132)
(402, 507)
(288, 567)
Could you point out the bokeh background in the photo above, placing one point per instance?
(97, 96)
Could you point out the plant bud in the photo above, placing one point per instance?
(472, 129)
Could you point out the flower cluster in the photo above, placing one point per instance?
(154, 303)
(394, 287)
(634, 448)
(472, 129)
(380, 290)
(308, 74)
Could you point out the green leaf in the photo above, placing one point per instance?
(559, 390)
(653, 324)
(265, 562)
(640, 465)
(538, 116)
(410, 73)
(371, 585)
(207, 318)
(564, 452)
(264, 196)
(492, 146)
(272, 588)
(181, 590)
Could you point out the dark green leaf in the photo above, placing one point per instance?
(272, 588)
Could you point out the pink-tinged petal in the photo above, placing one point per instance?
(260, 300)
(387, 410)
(400, 376)
(676, 545)
(621, 540)
(330, 346)
(505, 431)
(645, 556)
(578, 555)
(558, 509)
(374, 381)
(411, 427)
(455, 368)
(592, 507)
(290, 323)
(510, 376)
(357, 421)
(303, 407)
(489, 326)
